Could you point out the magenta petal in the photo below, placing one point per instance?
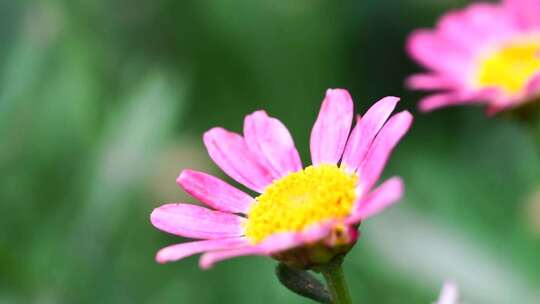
(330, 132)
(272, 143)
(273, 244)
(371, 168)
(434, 52)
(454, 28)
(489, 22)
(214, 192)
(179, 251)
(287, 240)
(430, 82)
(476, 26)
(436, 101)
(440, 100)
(381, 198)
(449, 294)
(365, 130)
(526, 12)
(230, 152)
(196, 222)
(209, 259)
(533, 86)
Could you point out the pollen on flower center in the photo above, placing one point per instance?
(511, 67)
(300, 199)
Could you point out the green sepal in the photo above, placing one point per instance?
(302, 283)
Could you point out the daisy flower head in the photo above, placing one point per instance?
(485, 53)
(301, 216)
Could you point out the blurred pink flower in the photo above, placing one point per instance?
(449, 294)
(486, 53)
(318, 206)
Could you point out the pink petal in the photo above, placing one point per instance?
(365, 131)
(430, 82)
(273, 244)
(493, 109)
(437, 101)
(449, 294)
(330, 132)
(502, 102)
(526, 12)
(272, 143)
(287, 240)
(179, 251)
(230, 152)
(192, 221)
(209, 259)
(385, 195)
(454, 27)
(490, 22)
(533, 86)
(377, 156)
(436, 53)
(476, 26)
(214, 192)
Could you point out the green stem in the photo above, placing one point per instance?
(335, 279)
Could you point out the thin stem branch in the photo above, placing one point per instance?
(335, 279)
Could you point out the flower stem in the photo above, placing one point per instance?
(335, 279)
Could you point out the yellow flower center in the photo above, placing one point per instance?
(300, 199)
(511, 67)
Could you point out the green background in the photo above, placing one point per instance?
(103, 103)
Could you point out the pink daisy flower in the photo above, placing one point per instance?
(486, 53)
(317, 208)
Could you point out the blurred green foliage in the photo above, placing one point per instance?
(102, 103)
